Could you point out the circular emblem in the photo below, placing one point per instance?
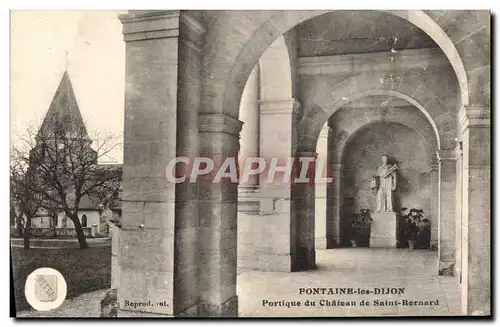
(45, 289)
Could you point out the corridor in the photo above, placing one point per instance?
(362, 268)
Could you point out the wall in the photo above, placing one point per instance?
(362, 157)
(93, 217)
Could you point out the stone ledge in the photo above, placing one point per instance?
(155, 24)
(474, 115)
(150, 25)
(447, 154)
(219, 123)
(358, 63)
(446, 268)
(286, 106)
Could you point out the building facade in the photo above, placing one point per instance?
(345, 85)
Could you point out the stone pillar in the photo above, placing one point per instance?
(115, 250)
(458, 213)
(158, 255)
(249, 115)
(248, 193)
(447, 189)
(303, 212)
(476, 237)
(334, 200)
(434, 176)
(277, 247)
(320, 192)
(218, 206)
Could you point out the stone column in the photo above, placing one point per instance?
(158, 255)
(447, 189)
(277, 247)
(218, 206)
(334, 200)
(434, 176)
(248, 193)
(458, 213)
(320, 192)
(249, 115)
(476, 215)
(303, 212)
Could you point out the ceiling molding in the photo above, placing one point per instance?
(378, 61)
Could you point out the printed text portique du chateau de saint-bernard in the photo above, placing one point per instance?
(339, 297)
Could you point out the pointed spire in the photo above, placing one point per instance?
(63, 109)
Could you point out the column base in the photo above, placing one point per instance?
(109, 304)
(383, 230)
(226, 309)
(333, 242)
(327, 242)
(446, 268)
(321, 243)
(304, 260)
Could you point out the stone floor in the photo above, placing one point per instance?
(415, 271)
(363, 268)
(83, 306)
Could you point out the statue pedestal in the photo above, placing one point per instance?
(383, 230)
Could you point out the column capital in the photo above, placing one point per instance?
(474, 115)
(219, 123)
(157, 24)
(324, 131)
(458, 150)
(435, 164)
(337, 166)
(287, 106)
(306, 154)
(446, 154)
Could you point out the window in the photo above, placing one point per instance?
(84, 221)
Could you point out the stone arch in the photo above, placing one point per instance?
(356, 165)
(260, 36)
(310, 125)
(344, 145)
(402, 96)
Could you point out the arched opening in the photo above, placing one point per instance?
(224, 62)
(314, 110)
(362, 155)
(84, 221)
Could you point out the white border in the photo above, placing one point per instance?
(185, 4)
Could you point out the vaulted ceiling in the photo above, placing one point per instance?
(359, 31)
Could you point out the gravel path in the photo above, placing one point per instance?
(86, 305)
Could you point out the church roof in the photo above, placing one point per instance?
(63, 109)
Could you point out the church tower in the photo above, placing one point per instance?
(63, 124)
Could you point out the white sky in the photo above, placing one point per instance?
(96, 66)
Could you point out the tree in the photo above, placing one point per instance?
(64, 169)
(24, 204)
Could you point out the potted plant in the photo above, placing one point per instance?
(360, 225)
(415, 224)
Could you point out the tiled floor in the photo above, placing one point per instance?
(364, 268)
(415, 271)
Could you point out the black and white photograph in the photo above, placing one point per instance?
(250, 163)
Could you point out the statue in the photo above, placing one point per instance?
(386, 175)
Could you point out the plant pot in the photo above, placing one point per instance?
(411, 244)
(354, 243)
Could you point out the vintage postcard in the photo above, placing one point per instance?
(260, 163)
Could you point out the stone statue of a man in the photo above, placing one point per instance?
(387, 184)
